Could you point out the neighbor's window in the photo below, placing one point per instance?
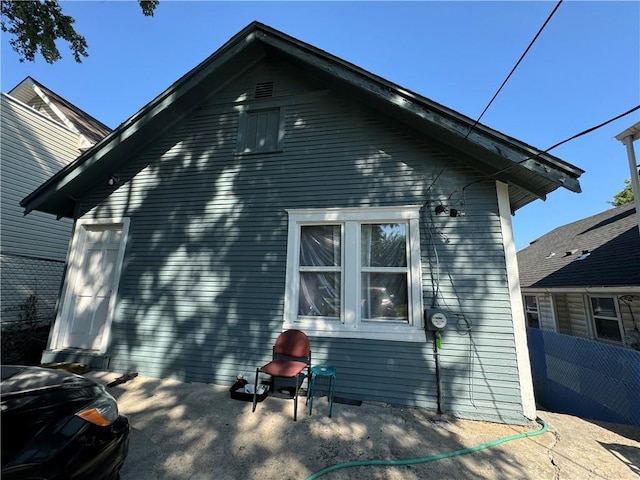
(531, 311)
(261, 130)
(355, 273)
(608, 325)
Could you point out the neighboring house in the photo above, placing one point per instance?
(41, 133)
(276, 186)
(583, 279)
(581, 291)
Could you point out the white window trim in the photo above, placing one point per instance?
(350, 325)
(618, 318)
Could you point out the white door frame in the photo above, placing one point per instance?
(73, 258)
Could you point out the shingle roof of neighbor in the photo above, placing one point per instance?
(601, 250)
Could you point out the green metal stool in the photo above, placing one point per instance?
(322, 371)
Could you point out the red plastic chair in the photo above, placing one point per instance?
(291, 356)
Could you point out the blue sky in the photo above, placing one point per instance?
(583, 70)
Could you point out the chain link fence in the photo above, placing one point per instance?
(28, 295)
(586, 378)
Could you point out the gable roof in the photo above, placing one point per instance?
(31, 92)
(611, 245)
(530, 172)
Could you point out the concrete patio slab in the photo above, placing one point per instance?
(196, 431)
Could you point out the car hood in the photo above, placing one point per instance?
(24, 388)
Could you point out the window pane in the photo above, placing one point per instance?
(603, 306)
(384, 245)
(531, 310)
(608, 329)
(531, 302)
(319, 294)
(532, 320)
(320, 246)
(384, 296)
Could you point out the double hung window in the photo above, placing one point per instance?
(606, 319)
(355, 273)
(531, 311)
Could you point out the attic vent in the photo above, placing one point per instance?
(264, 90)
(585, 254)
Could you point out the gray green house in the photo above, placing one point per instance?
(276, 186)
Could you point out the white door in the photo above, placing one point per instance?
(93, 277)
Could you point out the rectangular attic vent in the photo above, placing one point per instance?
(264, 90)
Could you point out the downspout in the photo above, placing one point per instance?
(628, 137)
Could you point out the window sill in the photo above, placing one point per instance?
(394, 333)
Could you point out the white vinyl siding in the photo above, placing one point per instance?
(33, 148)
(577, 308)
(546, 311)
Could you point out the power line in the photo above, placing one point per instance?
(589, 130)
(584, 132)
(498, 91)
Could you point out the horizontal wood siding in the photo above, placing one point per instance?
(33, 247)
(201, 294)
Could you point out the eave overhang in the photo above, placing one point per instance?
(530, 172)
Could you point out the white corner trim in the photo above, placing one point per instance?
(517, 309)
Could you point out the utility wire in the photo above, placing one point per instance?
(498, 91)
(584, 132)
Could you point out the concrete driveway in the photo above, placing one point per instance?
(196, 431)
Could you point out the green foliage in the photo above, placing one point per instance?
(148, 7)
(35, 25)
(624, 196)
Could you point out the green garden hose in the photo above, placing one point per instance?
(413, 461)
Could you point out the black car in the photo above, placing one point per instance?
(57, 425)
